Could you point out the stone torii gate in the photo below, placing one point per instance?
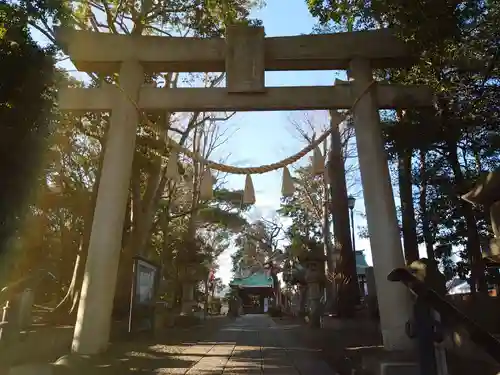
(245, 54)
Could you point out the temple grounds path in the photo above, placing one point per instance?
(251, 344)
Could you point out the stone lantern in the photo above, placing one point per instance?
(314, 263)
(188, 279)
(295, 275)
(188, 264)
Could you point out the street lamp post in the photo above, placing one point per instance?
(351, 201)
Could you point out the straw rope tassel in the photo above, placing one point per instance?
(318, 162)
(287, 186)
(249, 192)
(206, 185)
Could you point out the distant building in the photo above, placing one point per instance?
(361, 267)
(361, 264)
(255, 291)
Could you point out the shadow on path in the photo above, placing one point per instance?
(251, 344)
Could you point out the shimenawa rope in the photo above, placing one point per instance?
(241, 170)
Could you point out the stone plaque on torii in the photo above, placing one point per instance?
(245, 54)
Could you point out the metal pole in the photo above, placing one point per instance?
(353, 234)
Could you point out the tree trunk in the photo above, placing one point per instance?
(121, 301)
(407, 210)
(207, 298)
(68, 306)
(478, 278)
(426, 229)
(78, 274)
(346, 281)
(65, 311)
(329, 251)
(69, 253)
(144, 208)
(327, 236)
(138, 231)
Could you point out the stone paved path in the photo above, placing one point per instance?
(252, 344)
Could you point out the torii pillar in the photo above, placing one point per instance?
(383, 228)
(93, 322)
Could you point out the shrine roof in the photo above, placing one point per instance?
(256, 280)
(361, 264)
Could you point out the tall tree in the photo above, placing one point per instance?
(159, 210)
(26, 101)
(458, 48)
(326, 199)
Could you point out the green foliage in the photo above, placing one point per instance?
(212, 16)
(204, 18)
(256, 244)
(217, 216)
(225, 210)
(304, 208)
(43, 11)
(452, 144)
(26, 101)
(165, 221)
